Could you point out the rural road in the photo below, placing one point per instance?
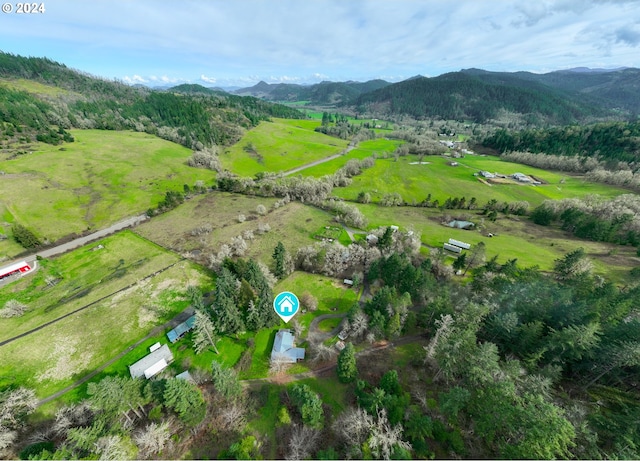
(318, 162)
(63, 248)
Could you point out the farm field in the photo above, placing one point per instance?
(53, 357)
(363, 150)
(101, 178)
(516, 237)
(415, 182)
(294, 224)
(279, 145)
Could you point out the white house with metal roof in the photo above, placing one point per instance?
(152, 364)
(284, 350)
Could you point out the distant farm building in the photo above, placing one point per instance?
(467, 225)
(372, 239)
(152, 364)
(348, 282)
(458, 243)
(452, 248)
(284, 350)
(521, 177)
(20, 268)
(179, 331)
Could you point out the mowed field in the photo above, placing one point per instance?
(101, 178)
(415, 182)
(279, 145)
(294, 224)
(125, 301)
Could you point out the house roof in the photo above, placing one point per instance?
(152, 363)
(283, 347)
(181, 329)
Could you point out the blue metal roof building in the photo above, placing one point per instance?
(181, 329)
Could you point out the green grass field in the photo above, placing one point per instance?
(33, 87)
(279, 145)
(516, 237)
(52, 358)
(101, 178)
(414, 182)
(364, 149)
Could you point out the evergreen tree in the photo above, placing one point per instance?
(279, 258)
(346, 368)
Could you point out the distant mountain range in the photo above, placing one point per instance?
(559, 97)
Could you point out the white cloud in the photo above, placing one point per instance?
(134, 80)
(204, 78)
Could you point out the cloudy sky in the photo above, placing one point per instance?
(239, 42)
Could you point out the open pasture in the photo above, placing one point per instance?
(515, 237)
(415, 182)
(294, 224)
(53, 357)
(101, 178)
(279, 145)
(363, 150)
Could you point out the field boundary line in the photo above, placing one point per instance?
(86, 306)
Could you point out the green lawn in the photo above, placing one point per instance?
(280, 145)
(415, 182)
(333, 296)
(52, 358)
(101, 178)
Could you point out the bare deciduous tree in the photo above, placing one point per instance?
(303, 442)
(385, 437)
(153, 438)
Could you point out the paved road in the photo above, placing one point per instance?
(318, 162)
(63, 248)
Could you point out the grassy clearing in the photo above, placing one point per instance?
(294, 224)
(516, 237)
(364, 149)
(415, 182)
(52, 358)
(333, 296)
(101, 178)
(33, 87)
(279, 145)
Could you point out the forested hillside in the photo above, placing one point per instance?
(192, 120)
(614, 141)
(478, 96)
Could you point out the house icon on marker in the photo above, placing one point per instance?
(285, 305)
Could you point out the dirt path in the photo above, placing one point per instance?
(318, 162)
(174, 322)
(316, 335)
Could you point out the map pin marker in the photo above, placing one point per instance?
(286, 305)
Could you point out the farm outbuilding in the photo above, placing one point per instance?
(152, 364)
(452, 248)
(17, 268)
(179, 331)
(458, 243)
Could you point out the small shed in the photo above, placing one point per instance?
(372, 239)
(452, 248)
(179, 331)
(152, 364)
(348, 282)
(458, 243)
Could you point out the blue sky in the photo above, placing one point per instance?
(240, 42)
